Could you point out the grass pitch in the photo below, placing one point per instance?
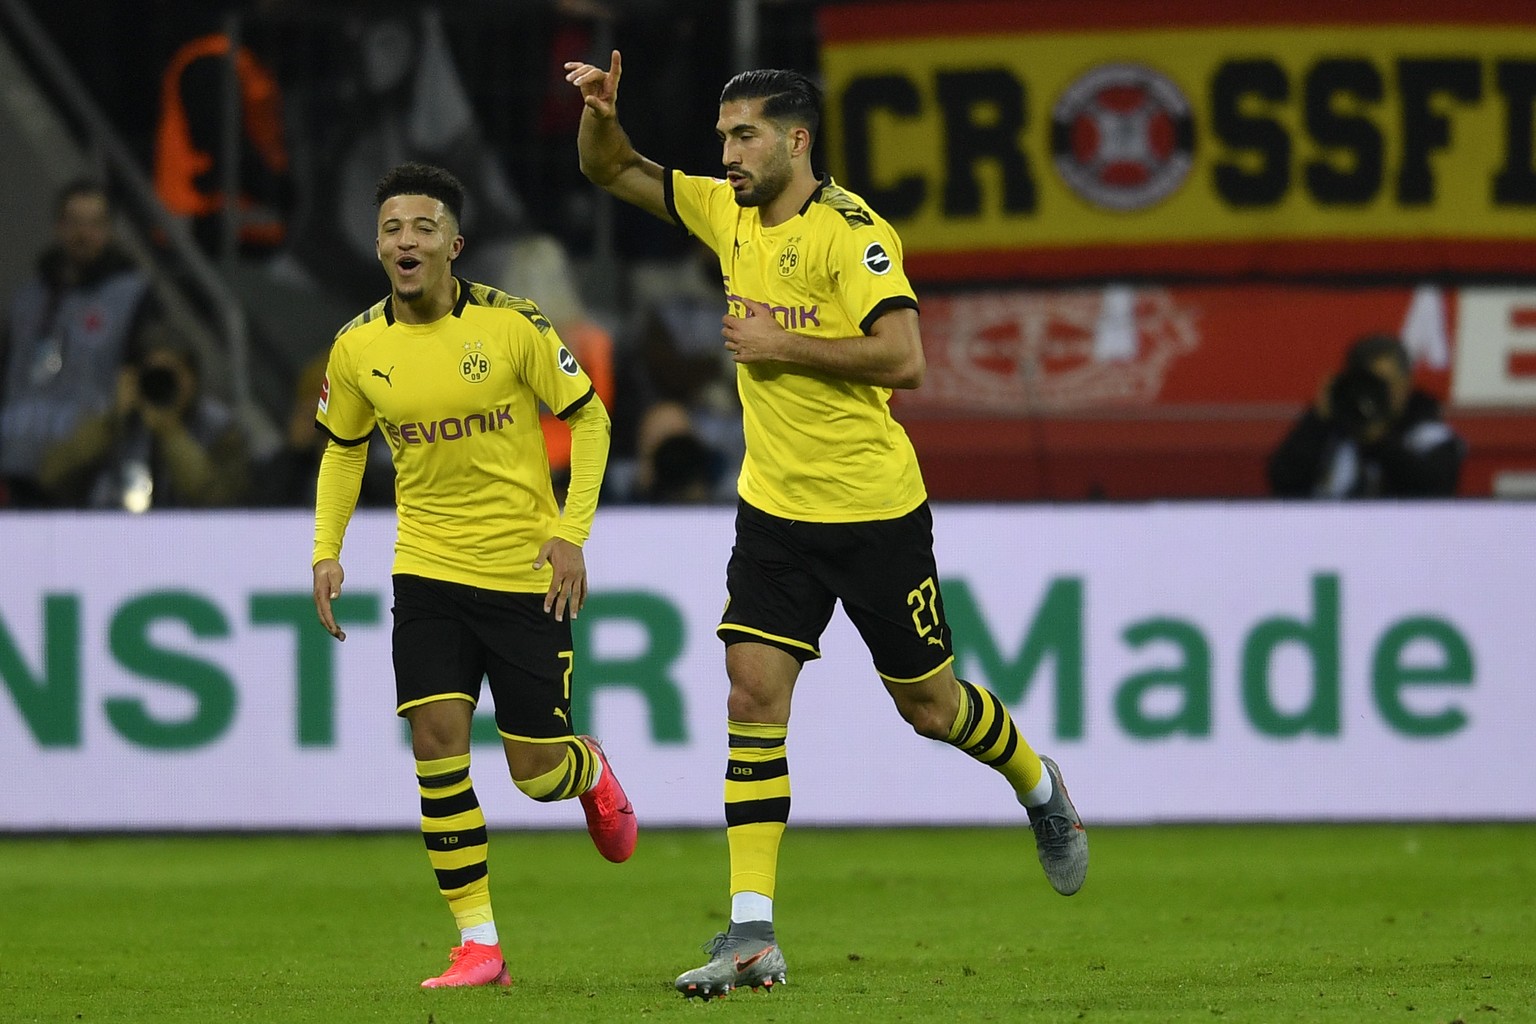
(1432, 924)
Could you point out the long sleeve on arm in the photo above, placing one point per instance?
(1423, 457)
(69, 464)
(210, 477)
(589, 460)
(341, 477)
(1425, 464)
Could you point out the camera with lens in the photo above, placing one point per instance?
(1359, 398)
(159, 385)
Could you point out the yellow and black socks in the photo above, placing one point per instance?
(453, 826)
(756, 812)
(984, 730)
(573, 776)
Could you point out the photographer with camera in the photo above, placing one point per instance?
(164, 444)
(69, 329)
(1369, 434)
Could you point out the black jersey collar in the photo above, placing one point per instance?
(458, 307)
(821, 183)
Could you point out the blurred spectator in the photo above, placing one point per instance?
(683, 471)
(189, 146)
(165, 444)
(287, 477)
(1369, 434)
(677, 378)
(67, 333)
(680, 343)
(673, 465)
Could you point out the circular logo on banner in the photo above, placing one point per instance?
(1122, 137)
(876, 260)
(567, 362)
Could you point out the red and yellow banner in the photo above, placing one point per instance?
(1047, 140)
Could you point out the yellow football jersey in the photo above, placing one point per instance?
(458, 401)
(819, 449)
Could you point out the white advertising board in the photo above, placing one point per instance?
(1201, 662)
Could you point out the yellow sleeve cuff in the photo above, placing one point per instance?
(589, 460)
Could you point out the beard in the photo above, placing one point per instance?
(768, 184)
(758, 195)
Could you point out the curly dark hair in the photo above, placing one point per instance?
(422, 180)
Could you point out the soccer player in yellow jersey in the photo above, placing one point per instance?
(822, 324)
(487, 572)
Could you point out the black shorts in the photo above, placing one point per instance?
(448, 637)
(785, 577)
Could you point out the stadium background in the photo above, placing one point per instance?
(1115, 343)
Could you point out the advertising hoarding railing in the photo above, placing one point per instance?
(1207, 662)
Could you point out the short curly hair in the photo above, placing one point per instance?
(422, 180)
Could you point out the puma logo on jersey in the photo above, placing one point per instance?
(936, 641)
(385, 376)
(561, 713)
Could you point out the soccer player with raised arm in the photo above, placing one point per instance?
(487, 571)
(822, 325)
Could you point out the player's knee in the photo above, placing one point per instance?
(926, 720)
(751, 702)
(434, 737)
(762, 682)
(925, 710)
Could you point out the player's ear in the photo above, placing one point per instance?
(456, 248)
(799, 141)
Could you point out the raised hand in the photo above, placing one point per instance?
(599, 88)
